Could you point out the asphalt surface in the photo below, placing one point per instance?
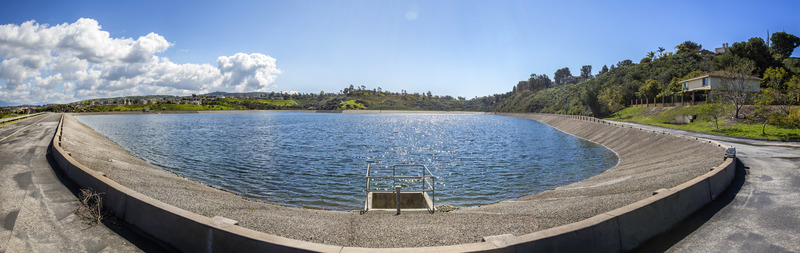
(760, 212)
(38, 207)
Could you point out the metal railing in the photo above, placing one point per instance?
(409, 180)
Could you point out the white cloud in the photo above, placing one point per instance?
(245, 72)
(69, 62)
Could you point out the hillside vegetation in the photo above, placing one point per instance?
(655, 77)
(704, 123)
(350, 98)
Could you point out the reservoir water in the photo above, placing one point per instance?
(318, 160)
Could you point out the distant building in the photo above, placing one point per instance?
(711, 82)
(28, 110)
(721, 50)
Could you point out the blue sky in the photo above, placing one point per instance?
(459, 48)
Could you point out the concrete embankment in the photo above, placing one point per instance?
(609, 212)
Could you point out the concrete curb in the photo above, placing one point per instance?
(19, 117)
(618, 230)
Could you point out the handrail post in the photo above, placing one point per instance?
(394, 177)
(424, 178)
(397, 197)
(433, 194)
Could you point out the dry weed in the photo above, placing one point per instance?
(91, 206)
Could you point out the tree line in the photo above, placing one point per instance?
(656, 76)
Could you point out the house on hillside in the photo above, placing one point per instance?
(699, 87)
(721, 50)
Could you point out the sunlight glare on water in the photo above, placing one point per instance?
(319, 160)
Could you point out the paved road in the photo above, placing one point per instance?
(759, 213)
(37, 207)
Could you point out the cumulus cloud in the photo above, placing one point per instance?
(79, 60)
(247, 72)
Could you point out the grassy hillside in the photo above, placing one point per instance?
(348, 99)
(705, 124)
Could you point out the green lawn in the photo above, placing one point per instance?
(3, 116)
(727, 126)
(14, 121)
(278, 103)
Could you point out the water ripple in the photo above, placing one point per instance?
(286, 157)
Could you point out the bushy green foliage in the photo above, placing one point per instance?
(756, 50)
(784, 43)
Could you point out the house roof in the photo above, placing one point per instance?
(718, 73)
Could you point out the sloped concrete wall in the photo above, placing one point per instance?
(618, 230)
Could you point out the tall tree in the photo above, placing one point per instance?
(533, 83)
(521, 86)
(625, 63)
(688, 47)
(538, 82)
(650, 89)
(756, 50)
(586, 72)
(544, 81)
(661, 53)
(561, 75)
(734, 85)
(784, 43)
(603, 70)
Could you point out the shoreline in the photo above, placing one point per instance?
(563, 205)
(257, 111)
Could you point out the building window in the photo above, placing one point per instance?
(705, 81)
(686, 85)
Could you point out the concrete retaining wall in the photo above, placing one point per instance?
(618, 230)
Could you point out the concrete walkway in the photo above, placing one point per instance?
(37, 206)
(759, 213)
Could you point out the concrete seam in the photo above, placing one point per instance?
(210, 240)
(619, 233)
(710, 190)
